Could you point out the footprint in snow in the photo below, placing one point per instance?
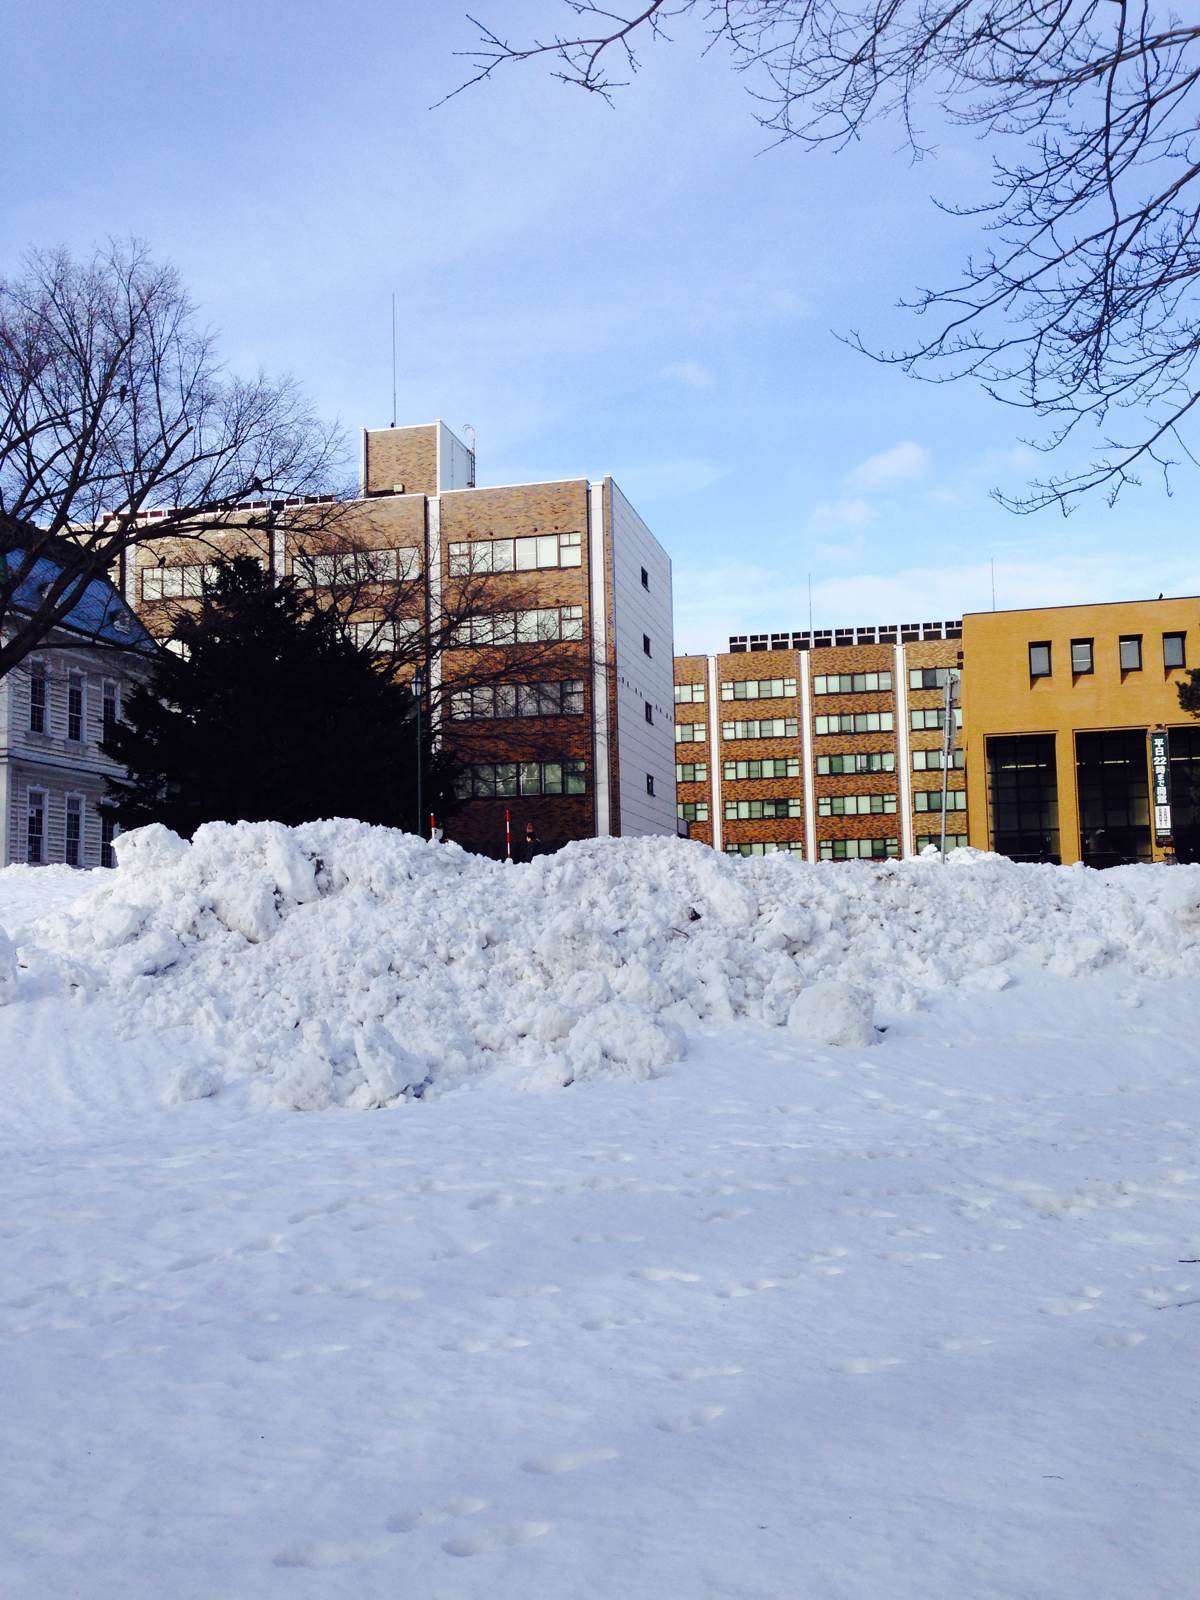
(665, 1275)
(410, 1521)
(689, 1421)
(570, 1461)
(864, 1364)
(496, 1539)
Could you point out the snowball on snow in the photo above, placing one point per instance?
(833, 1013)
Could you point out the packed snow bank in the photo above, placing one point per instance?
(343, 964)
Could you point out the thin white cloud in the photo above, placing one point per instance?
(848, 515)
(690, 374)
(906, 462)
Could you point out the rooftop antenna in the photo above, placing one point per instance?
(810, 622)
(993, 583)
(393, 358)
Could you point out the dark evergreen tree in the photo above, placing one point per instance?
(1189, 692)
(269, 713)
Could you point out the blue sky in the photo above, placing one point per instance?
(645, 291)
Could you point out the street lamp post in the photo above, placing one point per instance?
(419, 691)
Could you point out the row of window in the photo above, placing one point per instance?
(77, 699)
(766, 847)
(765, 728)
(342, 567)
(1129, 654)
(35, 831)
(845, 849)
(758, 810)
(929, 677)
(691, 772)
(767, 767)
(177, 583)
(689, 694)
(932, 717)
(692, 811)
(501, 779)
(549, 624)
(827, 766)
(857, 722)
(384, 637)
(855, 805)
(852, 683)
(508, 700)
(931, 800)
(758, 689)
(690, 733)
(515, 555)
(858, 849)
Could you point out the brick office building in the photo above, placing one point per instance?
(825, 743)
(552, 602)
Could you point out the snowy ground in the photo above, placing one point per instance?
(900, 1322)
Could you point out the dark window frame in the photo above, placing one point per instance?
(1089, 670)
(1041, 644)
(1133, 639)
(1181, 638)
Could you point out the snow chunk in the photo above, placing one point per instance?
(834, 1013)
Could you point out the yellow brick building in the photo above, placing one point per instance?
(1058, 703)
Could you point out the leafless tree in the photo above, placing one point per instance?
(118, 426)
(1081, 304)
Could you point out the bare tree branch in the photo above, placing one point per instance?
(1081, 308)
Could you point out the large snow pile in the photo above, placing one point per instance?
(343, 964)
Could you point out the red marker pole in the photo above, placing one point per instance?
(507, 834)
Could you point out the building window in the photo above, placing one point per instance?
(857, 722)
(549, 625)
(1039, 660)
(38, 697)
(178, 583)
(384, 637)
(931, 800)
(648, 709)
(108, 832)
(933, 717)
(645, 579)
(852, 683)
(75, 706)
(1081, 657)
(692, 811)
(766, 728)
(503, 779)
(690, 732)
(855, 805)
(72, 849)
(1174, 651)
(689, 694)
(649, 784)
(760, 810)
(35, 827)
(1131, 652)
(505, 701)
(112, 708)
(934, 760)
(646, 643)
(766, 767)
(1023, 796)
(954, 841)
(758, 689)
(928, 677)
(1114, 796)
(347, 567)
(479, 556)
(860, 761)
(858, 849)
(691, 772)
(766, 847)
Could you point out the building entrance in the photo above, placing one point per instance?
(1023, 796)
(1112, 774)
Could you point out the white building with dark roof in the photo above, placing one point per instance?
(55, 708)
